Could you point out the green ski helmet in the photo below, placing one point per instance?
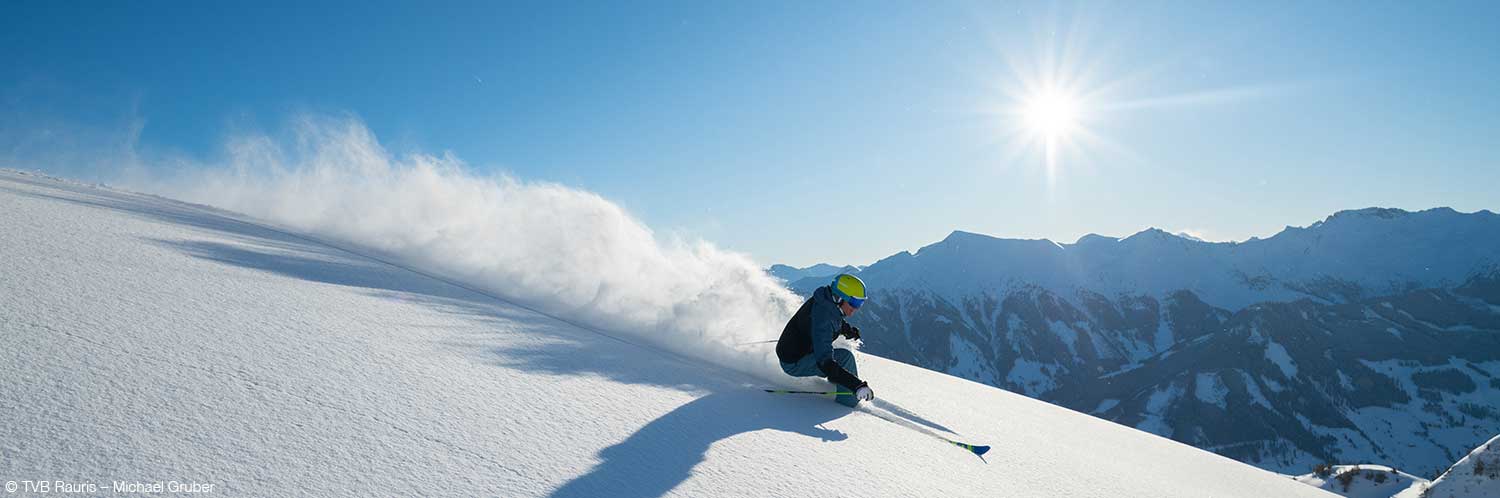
(848, 288)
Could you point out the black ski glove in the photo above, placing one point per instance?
(849, 331)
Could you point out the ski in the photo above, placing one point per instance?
(977, 449)
(824, 393)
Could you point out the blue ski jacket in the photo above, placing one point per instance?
(811, 332)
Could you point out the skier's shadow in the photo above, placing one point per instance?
(661, 455)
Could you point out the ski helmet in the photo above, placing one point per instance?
(848, 288)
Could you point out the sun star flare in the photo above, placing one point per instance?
(1051, 114)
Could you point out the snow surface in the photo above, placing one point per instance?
(1277, 354)
(1032, 377)
(1432, 420)
(1209, 388)
(1251, 387)
(1154, 419)
(147, 340)
(1477, 475)
(967, 362)
(1364, 481)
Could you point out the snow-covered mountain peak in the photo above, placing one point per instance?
(793, 274)
(1352, 254)
(960, 237)
(1189, 236)
(1094, 238)
(961, 244)
(895, 259)
(1373, 212)
(1151, 233)
(1157, 236)
(1377, 217)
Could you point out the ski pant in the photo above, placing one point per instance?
(807, 366)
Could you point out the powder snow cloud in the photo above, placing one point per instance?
(562, 250)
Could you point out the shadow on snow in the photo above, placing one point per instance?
(661, 455)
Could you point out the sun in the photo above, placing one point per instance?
(1050, 118)
(1051, 114)
(1055, 95)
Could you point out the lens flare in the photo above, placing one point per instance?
(1051, 114)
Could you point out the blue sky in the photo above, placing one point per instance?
(805, 132)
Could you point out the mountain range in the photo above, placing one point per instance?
(820, 270)
(1370, 336)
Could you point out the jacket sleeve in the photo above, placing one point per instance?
(825, 325)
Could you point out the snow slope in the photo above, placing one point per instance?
(144, 340)
(1364, 481)
(1477, 475)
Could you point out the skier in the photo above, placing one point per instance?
(806, 344)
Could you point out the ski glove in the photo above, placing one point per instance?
(849, 331)
(863, 393)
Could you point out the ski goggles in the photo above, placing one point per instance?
(854, 301)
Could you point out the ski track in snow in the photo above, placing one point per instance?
(147, 340)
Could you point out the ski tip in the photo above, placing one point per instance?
(977, 450)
